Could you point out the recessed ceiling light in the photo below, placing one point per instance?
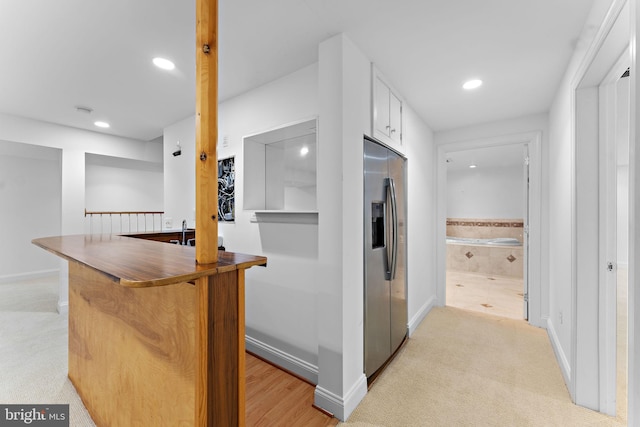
(473, 166)
(101, 124)
(163, 63)
(304, 151)
(472, 84)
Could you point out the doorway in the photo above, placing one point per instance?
(531, 275)
(487, 205)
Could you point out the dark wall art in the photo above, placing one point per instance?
(226, 189)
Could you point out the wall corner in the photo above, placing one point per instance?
(341, 406)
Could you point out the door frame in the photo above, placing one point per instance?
(608, 233)
(538, 309)
(525, 233)
(592, 366)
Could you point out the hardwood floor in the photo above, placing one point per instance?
(277, 398)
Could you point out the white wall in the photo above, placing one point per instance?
(280, 299)
(114, 184)
(117, 184)
(421, 217)
(487, 193)
(345, 96)
(74, 144)
(30, 194)
(180, 174)
(559, 158)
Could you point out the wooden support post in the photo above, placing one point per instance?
(206, 131)
(220, 365)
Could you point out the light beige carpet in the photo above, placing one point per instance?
(471, 369)
(33, 348)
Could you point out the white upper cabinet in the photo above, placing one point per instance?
(387, 112)
(381, 103)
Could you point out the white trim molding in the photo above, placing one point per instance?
(341, 407)
(63, 307)
(565, 368)
(278, 357)
(421, 314)
(28, 276)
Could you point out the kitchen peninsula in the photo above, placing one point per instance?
(154, 337)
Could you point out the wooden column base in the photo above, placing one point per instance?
(220, 399)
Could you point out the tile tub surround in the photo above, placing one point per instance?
(478, 228)
(499, 260)
(491, 260)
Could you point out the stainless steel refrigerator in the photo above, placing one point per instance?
(385, 295)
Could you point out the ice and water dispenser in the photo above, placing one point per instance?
(377, 225)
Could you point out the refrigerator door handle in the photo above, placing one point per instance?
(391, 191)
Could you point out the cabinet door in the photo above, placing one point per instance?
(381, 105)
(395, 118)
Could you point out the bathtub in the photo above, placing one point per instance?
(497, 256)
(498, 241)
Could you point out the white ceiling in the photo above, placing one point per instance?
(56, 55)
(487, 158)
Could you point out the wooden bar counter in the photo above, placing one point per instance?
(154, 338)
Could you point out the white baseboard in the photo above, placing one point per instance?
(544, 322)
(421, 314)
(28, 276)
(538, 322)
(63, 307)
(278, 357)
(565, 368)
(341, 407)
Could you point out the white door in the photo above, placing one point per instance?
(613, 151)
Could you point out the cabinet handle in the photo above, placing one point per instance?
(387, 127)
(393, 130)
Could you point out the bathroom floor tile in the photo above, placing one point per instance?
(491, 294)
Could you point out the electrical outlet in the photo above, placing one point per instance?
(168, 222)
(561, 319)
